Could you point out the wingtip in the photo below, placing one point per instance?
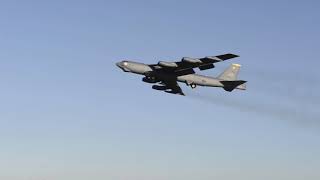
(234, 55)
(227, 56)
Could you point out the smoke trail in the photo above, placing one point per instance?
(299, 116)
(299, 89)
(302, 87)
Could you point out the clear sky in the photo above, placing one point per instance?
(68, 113)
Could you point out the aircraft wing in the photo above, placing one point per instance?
(203, 63)
(174, 86)
(187, 64)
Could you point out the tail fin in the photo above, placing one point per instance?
(231, 73)
(229, 78)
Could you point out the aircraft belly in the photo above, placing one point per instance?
(200, 80)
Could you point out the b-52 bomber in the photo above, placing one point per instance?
(168, 74)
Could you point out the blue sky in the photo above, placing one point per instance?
(68, 112)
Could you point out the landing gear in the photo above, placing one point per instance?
(191, 84)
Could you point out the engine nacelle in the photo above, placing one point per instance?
(191, 60)
(160, 88)
(149, 79)
(167, 64)
(205, 67)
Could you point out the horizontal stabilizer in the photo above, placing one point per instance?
(231, 85)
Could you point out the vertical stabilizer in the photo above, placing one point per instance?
(231, 73)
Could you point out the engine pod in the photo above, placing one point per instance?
(191, 60)
(205, 67)
(167, 64)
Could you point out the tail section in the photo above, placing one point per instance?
(231, 85)
(229, 78)
(231, 73)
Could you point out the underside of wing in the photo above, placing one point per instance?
(169, 87)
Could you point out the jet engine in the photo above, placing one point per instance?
(160, 88)
(191, 60)
(167, 64)
(150, 79)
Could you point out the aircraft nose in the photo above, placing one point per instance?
(119, 64)
(123, 65)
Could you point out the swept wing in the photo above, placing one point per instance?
(187, 64)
